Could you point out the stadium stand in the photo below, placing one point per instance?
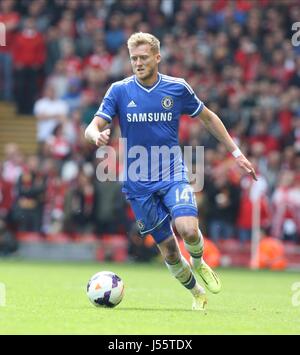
(61, 57)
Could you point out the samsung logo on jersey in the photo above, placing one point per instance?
(149, 117)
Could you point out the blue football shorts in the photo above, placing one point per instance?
(154, 211)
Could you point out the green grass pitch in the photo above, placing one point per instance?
(50, 298)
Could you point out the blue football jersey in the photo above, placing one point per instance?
(149, 120)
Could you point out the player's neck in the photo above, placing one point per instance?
(149, 81)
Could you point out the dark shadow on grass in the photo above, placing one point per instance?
(140, 309)
(126, 309)
(153, 309)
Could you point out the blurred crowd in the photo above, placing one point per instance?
(61, 56)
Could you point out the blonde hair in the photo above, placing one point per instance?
(139, 38)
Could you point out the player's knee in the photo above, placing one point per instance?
(189, 233)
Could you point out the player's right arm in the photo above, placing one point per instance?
(95, 132)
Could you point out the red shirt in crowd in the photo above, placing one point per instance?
(249, 62)
(96, 61)
(6, 197)
(285, 120)
(270, 143)
(73, 65)
(29, 49)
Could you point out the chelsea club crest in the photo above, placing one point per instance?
(140, 225)
(167, 102)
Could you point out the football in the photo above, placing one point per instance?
(105, 289)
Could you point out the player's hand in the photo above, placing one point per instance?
(102, 138)
(246, 166)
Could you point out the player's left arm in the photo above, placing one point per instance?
(216, 127)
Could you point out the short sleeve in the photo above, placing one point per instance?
(108, 107)
(192, 105)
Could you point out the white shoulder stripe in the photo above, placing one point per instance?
(173, 78)
(168, 77)
(125, 81)
(190, 90)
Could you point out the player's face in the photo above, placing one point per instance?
(144, 63)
